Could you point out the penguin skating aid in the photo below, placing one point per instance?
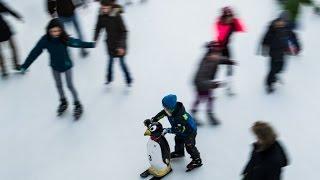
(158, 152)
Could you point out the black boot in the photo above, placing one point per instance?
(194, 164)
(145, 174)
(62, 107)
(270, 89)
(212, 119)
(176, 155)
(77, 110)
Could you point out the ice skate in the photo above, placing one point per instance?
(78, 110)
(62, 107)
(212, 119)
(194, 164)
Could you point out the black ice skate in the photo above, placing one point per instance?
(77, 110)
(194, 164)
(270, 89)
(176, 155)
(145, 174)
(62, 107)
(212, 119)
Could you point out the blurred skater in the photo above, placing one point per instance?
(6, 36)
(56, 41)
(278, 42)
(116, 39)
(267, 157)
(226, 25)
(205, 81)
(65, 11)
(183, 126)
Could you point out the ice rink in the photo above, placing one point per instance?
(166, 39)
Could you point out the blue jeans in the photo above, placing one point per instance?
(123, 67)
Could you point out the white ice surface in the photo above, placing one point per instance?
(165, 44)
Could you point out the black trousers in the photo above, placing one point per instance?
(226, 53)
(276, 66)
(188, 142)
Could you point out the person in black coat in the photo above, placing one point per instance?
(267, 157)
(6, 35)
(204, 80)
(277, 42)
(116, 38)
(65, 11)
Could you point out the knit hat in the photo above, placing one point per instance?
(227, 11)
(169, 102)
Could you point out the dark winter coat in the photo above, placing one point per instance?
(59, 55)
(182, 124)
(116, 32)
(5, 31)
(276, 41)
(266, 164)
(207, 71)
(64, 8)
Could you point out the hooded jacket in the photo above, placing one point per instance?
(116, 32)
(182, 124)
(59, 55)
(64, 8)
(224, 31)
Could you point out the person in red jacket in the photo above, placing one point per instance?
(225, 26)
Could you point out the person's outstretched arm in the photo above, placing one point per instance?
(77, 43)
(51, 7)
(34, 54)
(4, 8)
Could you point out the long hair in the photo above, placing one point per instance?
(265, 134)
(56, 23)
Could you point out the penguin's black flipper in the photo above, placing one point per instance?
(145, 174)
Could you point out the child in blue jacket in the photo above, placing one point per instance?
(183, 126)
(56, 42)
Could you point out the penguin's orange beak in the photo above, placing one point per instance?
(147, 133)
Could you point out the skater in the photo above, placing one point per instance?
(205, 80)
(158, 152)
(115, 40)
(267, 157)
(183, 126)
(56, 41)
(65, 11)
(226, 25)
(276, 44)
(6, 36)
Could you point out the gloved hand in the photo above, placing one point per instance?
(147, 122)
(166, 131)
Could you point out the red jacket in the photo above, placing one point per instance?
(224, 31)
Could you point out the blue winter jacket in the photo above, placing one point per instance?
(59, 55)
(182, 123)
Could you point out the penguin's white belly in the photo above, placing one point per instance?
(155, 155)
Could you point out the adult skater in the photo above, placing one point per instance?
(226, 25)
(6, 36)
(276, 43)
(204, 80)
(183, 126)
(267, 157)
(56, 41)
(115, 40)
(65, 11)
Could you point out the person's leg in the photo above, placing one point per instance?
(226, 53)
(2, 64)
(179, 145)
(271, 78)
(70, 85)
(110, 70)
(196, 103)
(191, 148)
(125, 70)
(76, 24)
(14, 53)
(57, 78)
